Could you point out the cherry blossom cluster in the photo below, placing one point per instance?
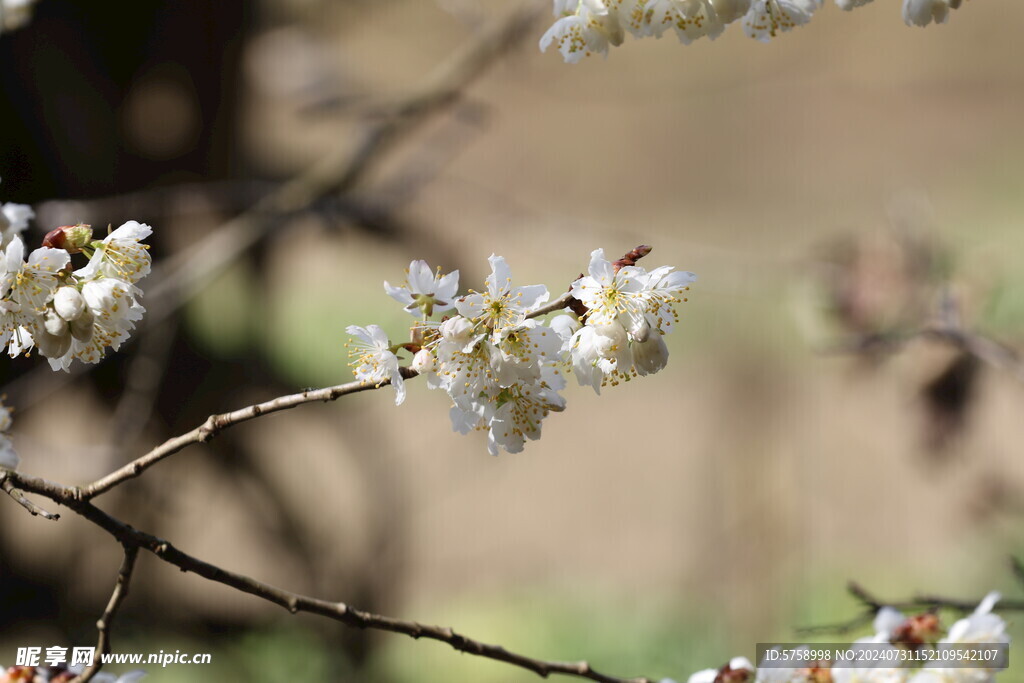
(502, 368)
(586, 27)
(69, 314)
(895, 631)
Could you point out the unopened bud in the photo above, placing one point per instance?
(457, 329)
(69, 303)
(422, 362)
(650, 356)
(70, 238)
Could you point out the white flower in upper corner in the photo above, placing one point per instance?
(768, 18)
(15, 14)
(14, 219)
(924, 12)
(502, 305)
(691, 19)
(121, 254)
(424, 290)
(373, 360)
(590, 30)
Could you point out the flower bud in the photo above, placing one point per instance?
(70, 238)
(650, 356)
(69, 303)
(423, 361)
(457, 329)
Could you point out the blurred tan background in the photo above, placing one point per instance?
(673, 521)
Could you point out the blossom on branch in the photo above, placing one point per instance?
(425, 291)
(373, 360)
(501, 367)
(71, 314)
(587, 27)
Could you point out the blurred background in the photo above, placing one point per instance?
(838, 191)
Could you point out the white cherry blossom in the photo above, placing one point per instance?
(121, 254)
(691, 19)
(610, 295)
(766, 19)
(373, 360)
(501, 305)
(424, 290)
(590, 30)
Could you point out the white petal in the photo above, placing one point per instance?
(500, 279)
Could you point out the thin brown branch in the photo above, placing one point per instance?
(215, 423)
(556, 305)
(130, 537)
(124, 577)
(20, 498)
